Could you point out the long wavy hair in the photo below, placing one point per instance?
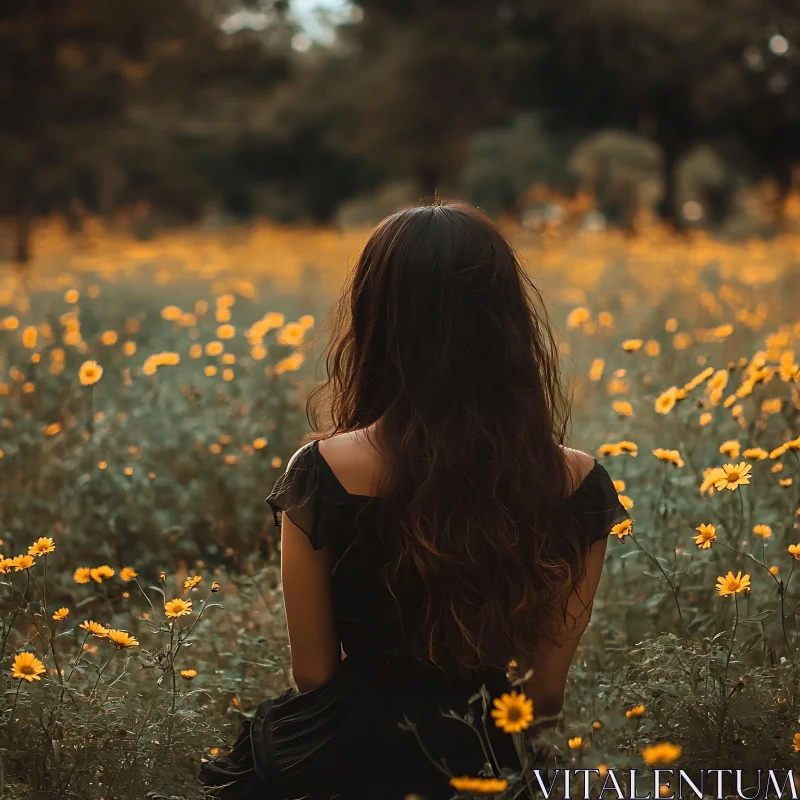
(442, 339)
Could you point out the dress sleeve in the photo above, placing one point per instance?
(300, 493)
(599, 508)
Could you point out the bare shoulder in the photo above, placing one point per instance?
(579, 465)
(353, 460)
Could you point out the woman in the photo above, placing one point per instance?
(435, 532)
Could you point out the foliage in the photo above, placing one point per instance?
(682, 353)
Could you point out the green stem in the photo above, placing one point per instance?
(484, 715)
(476, 732)
(102, 670)
(16, 609)
(409, 726)
(16, 694)
(666, 578)
(724, 709)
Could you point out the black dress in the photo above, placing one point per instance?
(342, 739)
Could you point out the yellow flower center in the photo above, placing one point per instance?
(514, 714)
(26, 669)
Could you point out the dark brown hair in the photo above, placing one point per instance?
(441, 336)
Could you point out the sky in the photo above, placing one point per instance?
(303, 10)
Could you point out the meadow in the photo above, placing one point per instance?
(152, 392)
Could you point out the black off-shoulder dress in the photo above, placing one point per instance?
(342, 739)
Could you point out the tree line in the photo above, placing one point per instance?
(108, 108)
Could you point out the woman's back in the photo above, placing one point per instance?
(435, 529)
(330, 491)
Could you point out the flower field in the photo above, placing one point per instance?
(151, 394)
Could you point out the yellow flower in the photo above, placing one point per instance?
(90, 372)
(127, 574)
(665, 402)
(796, 743)
(708, 534)
(622, 407)
(794, 549)
(670, 456)
(764, 531)
(214, 348)
(652, 348)
(177, 608)
(733, 584)
(575, 742)
(636, 711)
(710, 477)
(609, 449)
(22, 562)
(777, 452)
(602, 769)
(619, 486)
(734, 476)
(190, 583)
(82, 575)
(626, 502)
(512, 712)
(95, 628)
(62, 613)
(42, 546)
(289, 363)
(631, 345)
(731, 448)
(291, 335)
(99, 573)
(705, 418)
(622, 529)
(121, 639)
(108, 338)
(596, 370)
(577, 317)
(27, 667)
(774, 570)
(698, 379)
(52, 429)
(629, 447)
(226, 331)
(479, 785)
(755, 453)
(29, 336)
(785, 482)
(215, 587)
(171, 313)
(188, 674)
(596, 725)
(662, 753)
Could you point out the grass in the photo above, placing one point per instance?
(687, 347)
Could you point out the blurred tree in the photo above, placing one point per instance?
(505, 162)
(676, 71)
(99, 102)
(416, 81)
